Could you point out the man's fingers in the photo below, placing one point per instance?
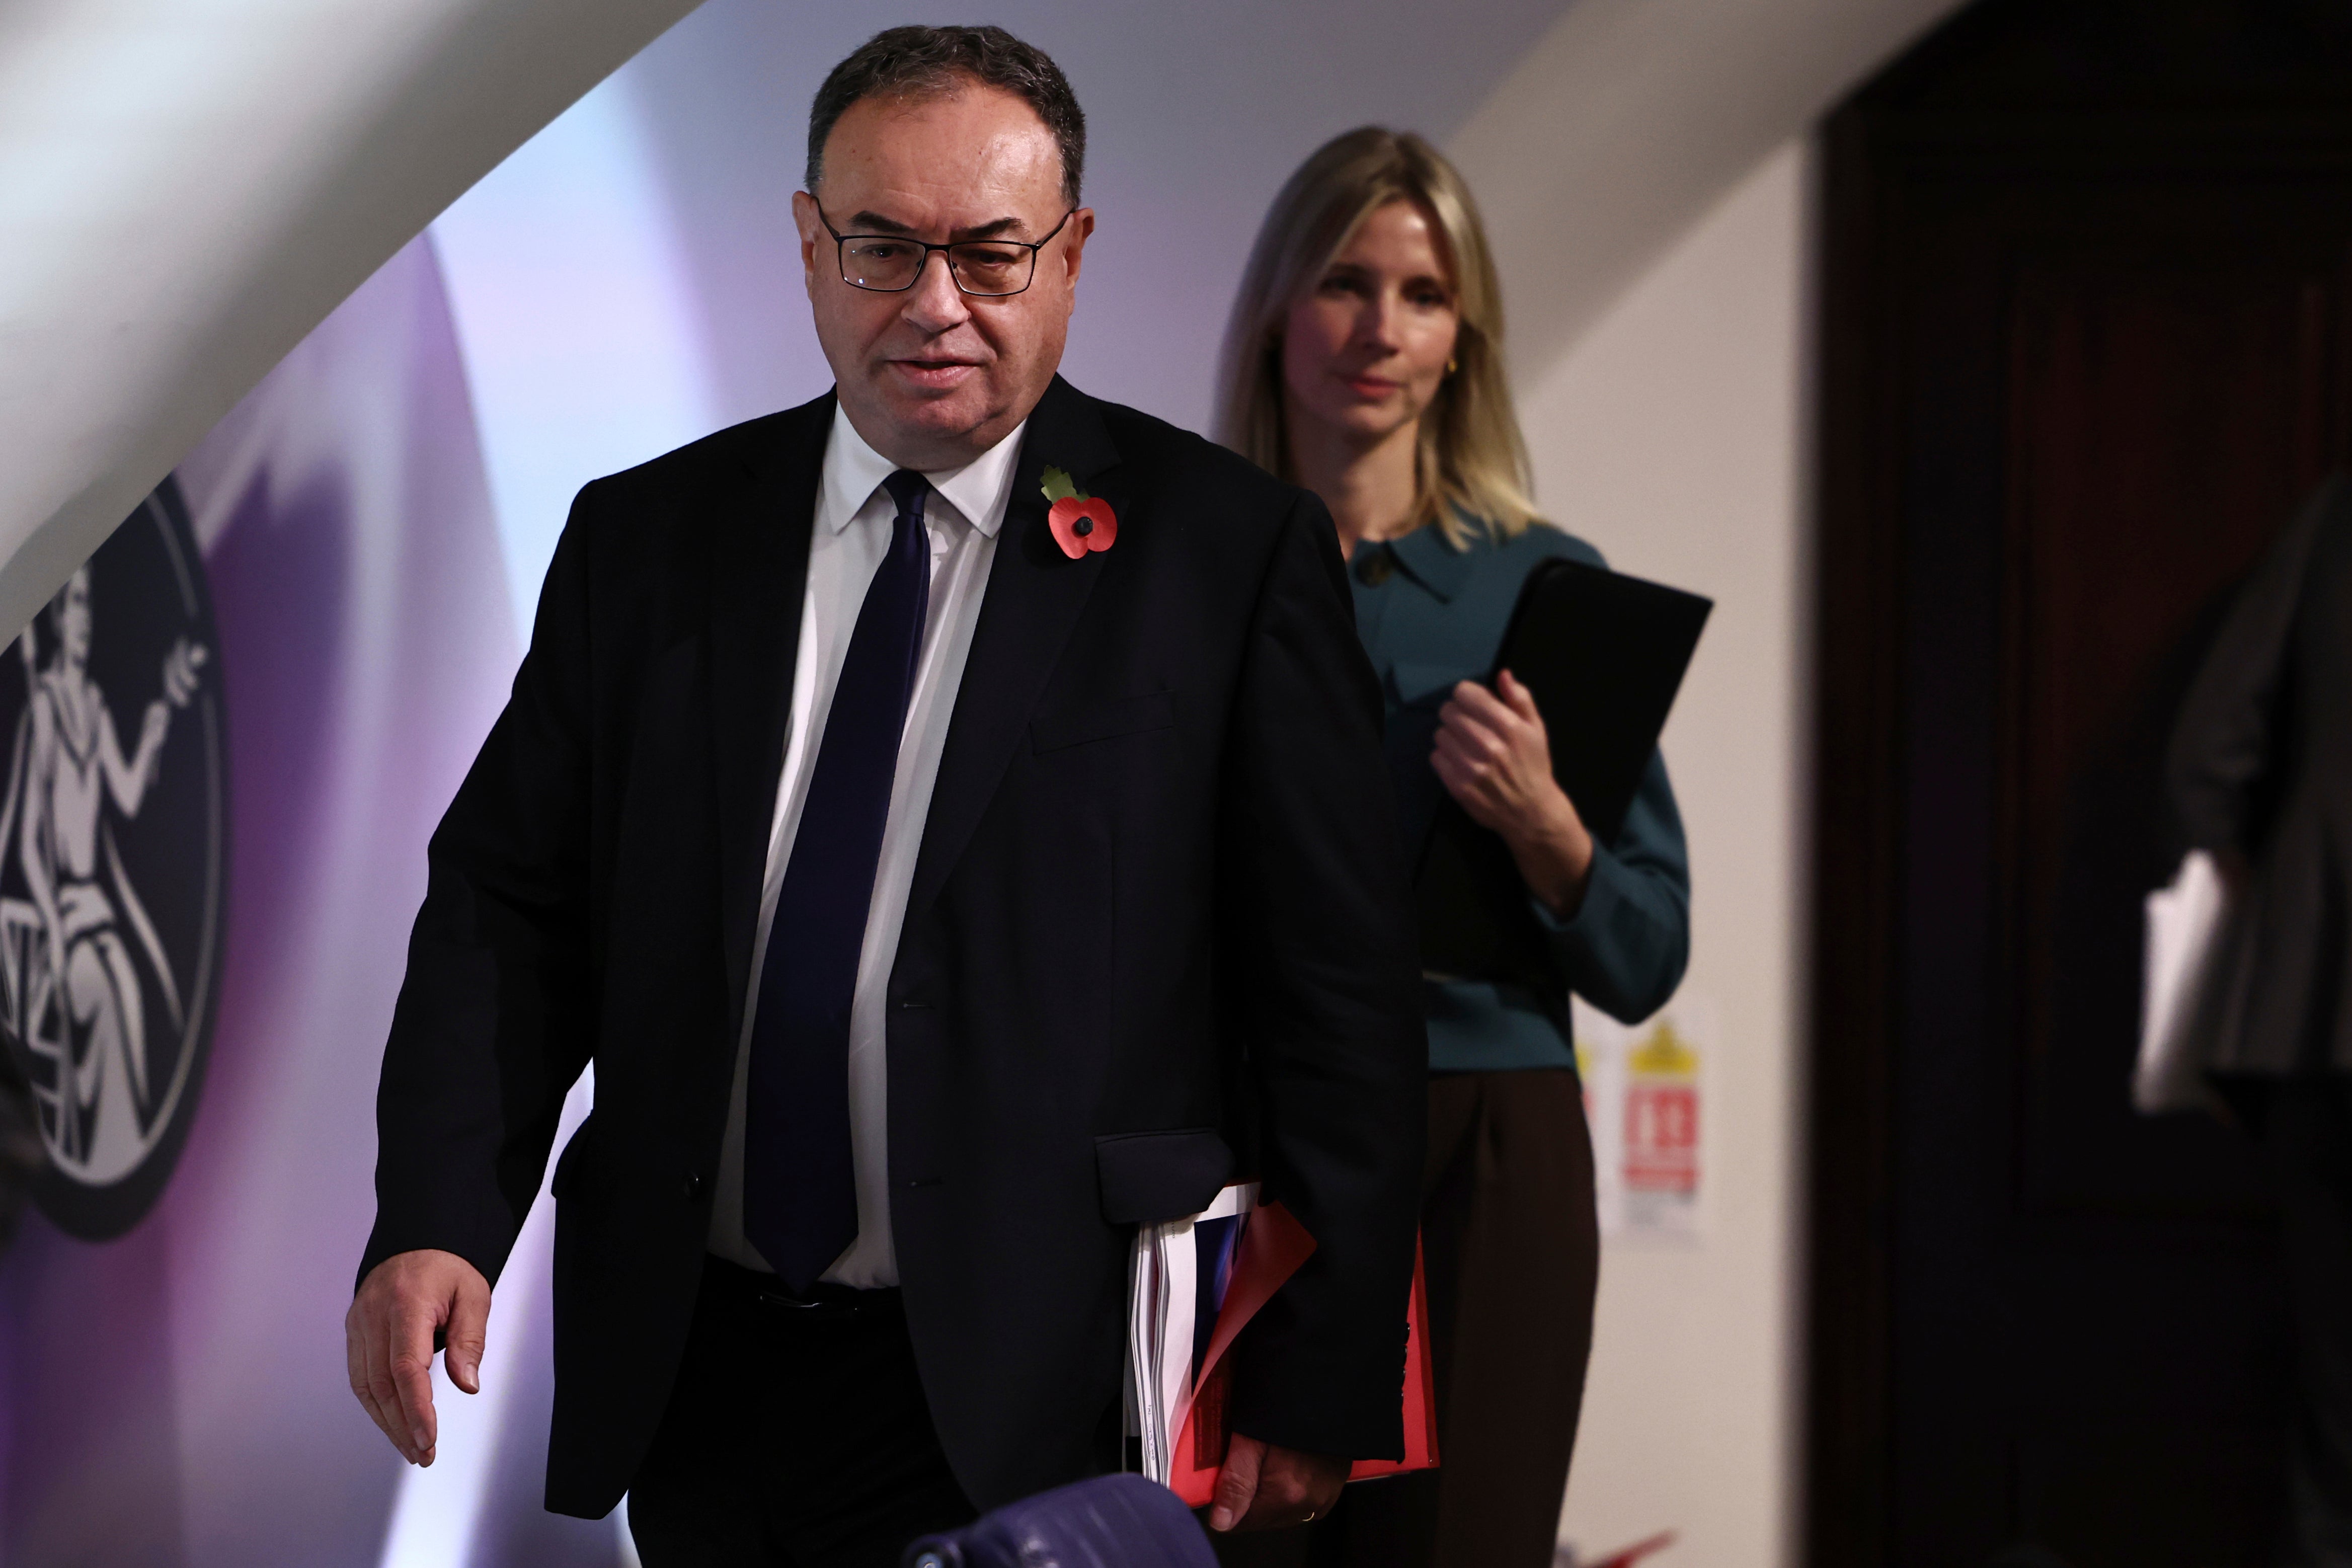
(470, 1320)
(1278, 1501)
(411, 1361)
(356, 1356)
(1237, 1482)
(384, 1394)
(1293, 1488)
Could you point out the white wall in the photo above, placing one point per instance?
(1630, 117)
(1674, 434)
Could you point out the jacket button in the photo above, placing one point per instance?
(693, 1185)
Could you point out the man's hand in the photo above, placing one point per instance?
(388, 1340)
(1264, 1487)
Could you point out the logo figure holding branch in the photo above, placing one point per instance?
(83, 996)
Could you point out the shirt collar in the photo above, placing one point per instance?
(978, 491)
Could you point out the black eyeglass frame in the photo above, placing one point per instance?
(841, 255)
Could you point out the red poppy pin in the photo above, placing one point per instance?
(1080, 521)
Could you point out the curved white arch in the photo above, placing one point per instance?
(188, 186)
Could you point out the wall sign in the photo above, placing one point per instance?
(1644, 1098)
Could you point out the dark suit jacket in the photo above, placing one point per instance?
(2262, 764)
(1157, 918)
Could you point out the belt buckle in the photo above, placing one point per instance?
(809, 1311)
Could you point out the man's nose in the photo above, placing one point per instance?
(935, 303)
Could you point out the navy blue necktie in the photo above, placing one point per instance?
(800, 1189)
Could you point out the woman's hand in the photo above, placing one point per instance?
(1493, 758)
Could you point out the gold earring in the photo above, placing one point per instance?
(1452, 365)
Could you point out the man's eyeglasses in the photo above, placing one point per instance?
(891, 263)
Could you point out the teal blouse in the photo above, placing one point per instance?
(1431, 615)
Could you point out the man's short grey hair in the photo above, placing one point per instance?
(922, 62)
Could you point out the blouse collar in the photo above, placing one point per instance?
(1431, 562)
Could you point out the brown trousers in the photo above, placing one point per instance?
(1512, 1247)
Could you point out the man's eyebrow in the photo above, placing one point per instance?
(991, 230)
(874, 223)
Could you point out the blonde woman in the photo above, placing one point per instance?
(1364, 361)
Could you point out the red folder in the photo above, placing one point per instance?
(1272, 1248)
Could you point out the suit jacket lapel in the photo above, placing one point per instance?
(1034, 596)
(759, 578)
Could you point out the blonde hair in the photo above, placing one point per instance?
(1472, 463)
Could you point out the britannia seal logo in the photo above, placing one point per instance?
(112, 842)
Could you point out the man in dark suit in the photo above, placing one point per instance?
(941, 885)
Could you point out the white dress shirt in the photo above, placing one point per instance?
(854, 519)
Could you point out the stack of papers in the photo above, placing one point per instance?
(1184, 1271)
(1197, 1281)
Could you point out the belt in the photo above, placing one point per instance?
(821, 1302)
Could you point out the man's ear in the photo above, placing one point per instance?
(810, 224)
(1082, 225)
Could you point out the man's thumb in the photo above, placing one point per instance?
(469, 1317)
(1237, 1482)
(465, 1364)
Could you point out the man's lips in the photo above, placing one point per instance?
(934, 374)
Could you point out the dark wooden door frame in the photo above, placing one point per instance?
(1857, 824)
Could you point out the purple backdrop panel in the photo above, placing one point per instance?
(178, 1395)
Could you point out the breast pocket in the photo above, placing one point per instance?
(1095, 718)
